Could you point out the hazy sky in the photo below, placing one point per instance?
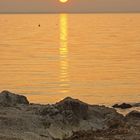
(71, 6)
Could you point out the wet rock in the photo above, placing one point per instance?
(10, 99)
(122, 106)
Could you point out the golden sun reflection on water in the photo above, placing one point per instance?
(63, 50)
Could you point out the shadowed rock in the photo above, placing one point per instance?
(10, 99)
(133, 114)
(136, 105)
(122, 106)
(133, 121)
(75, 106)
(48, 110)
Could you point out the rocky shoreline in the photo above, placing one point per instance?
(69, 119)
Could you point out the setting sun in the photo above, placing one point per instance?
(63, 1)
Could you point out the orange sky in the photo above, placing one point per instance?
(71, 6)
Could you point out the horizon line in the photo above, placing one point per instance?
(102, 12)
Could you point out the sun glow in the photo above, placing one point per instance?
(63, 1)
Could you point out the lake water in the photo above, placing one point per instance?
(92, 57)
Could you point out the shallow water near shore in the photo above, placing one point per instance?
(92, 57)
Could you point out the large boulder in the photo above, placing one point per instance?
(10, 99)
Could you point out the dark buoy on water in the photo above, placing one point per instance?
(38, 25)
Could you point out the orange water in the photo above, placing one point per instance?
(93, 57)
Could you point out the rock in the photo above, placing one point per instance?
(136, 105)
(133, 114)
(75, 106)
(122, 106)
(116, 122)
(49, 110)
(110, 134)
(69, 118)
(133, 121)
(10, 99)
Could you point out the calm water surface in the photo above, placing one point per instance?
(93, 57)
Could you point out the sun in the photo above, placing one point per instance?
(63, 1)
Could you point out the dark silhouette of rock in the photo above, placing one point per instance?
(10, 99)
(133, 114)
(122, 106)
(136, 105)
